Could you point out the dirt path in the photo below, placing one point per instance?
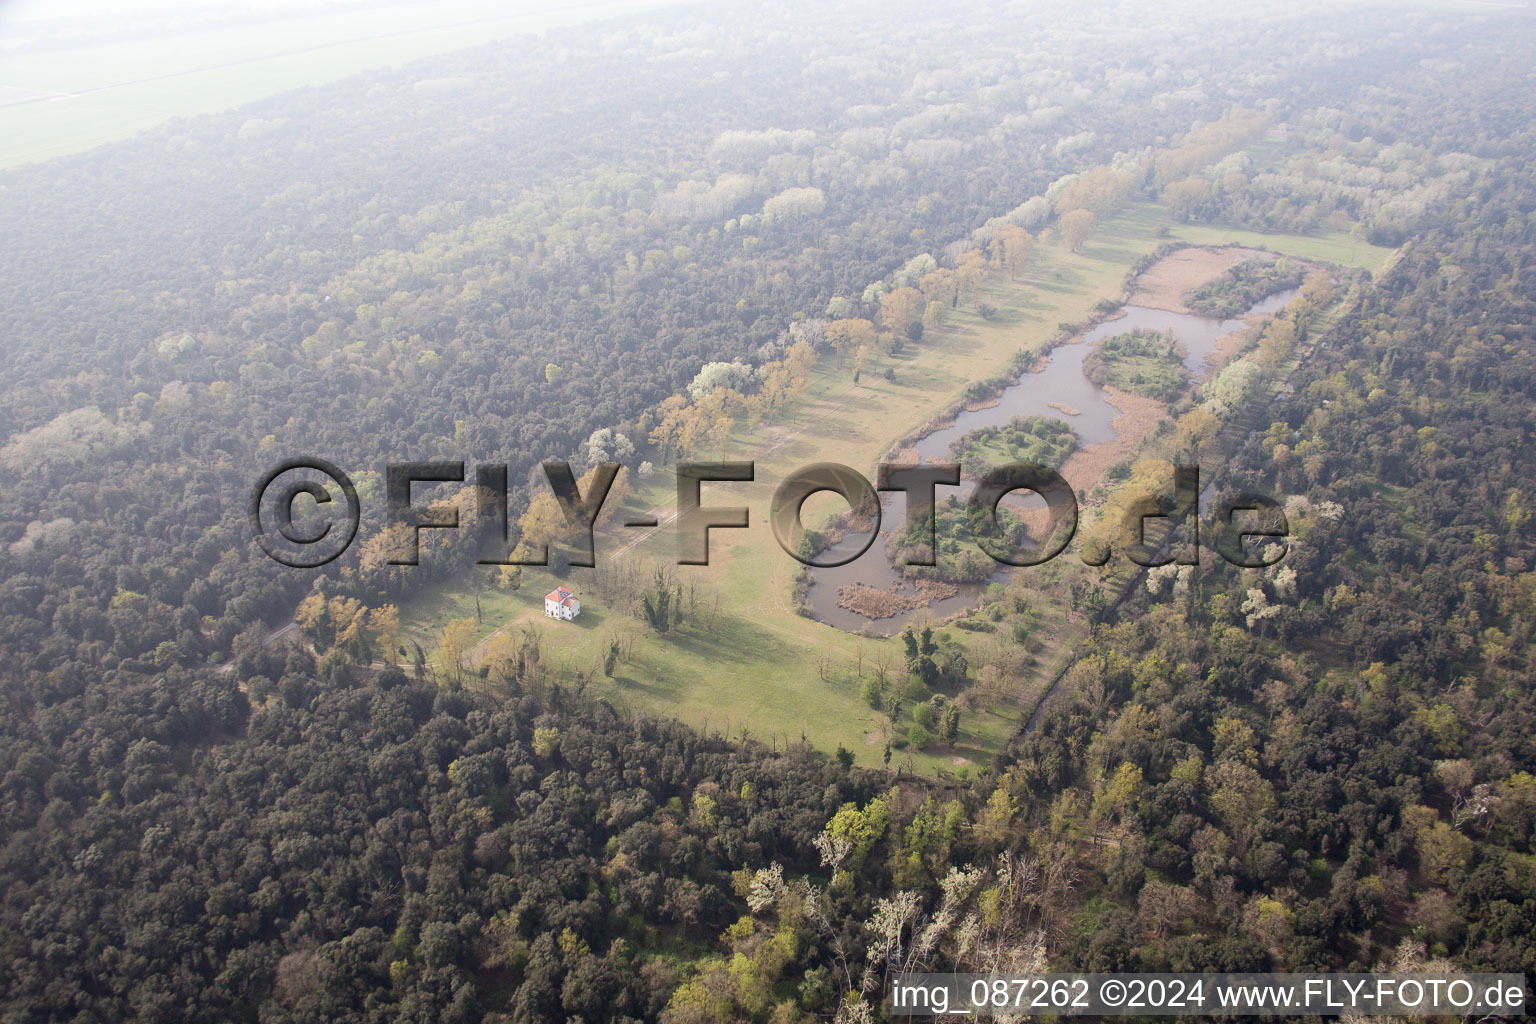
(476, 654)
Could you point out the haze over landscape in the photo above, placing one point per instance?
(1247, 288)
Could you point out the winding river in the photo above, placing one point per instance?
(1059, 382)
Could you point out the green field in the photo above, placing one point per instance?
(760, 664)
(115, 90)
(1341, 247)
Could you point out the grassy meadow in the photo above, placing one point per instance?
(1341, 247)
(753, 661)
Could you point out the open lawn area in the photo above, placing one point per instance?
(749, 658)
(1339, 247)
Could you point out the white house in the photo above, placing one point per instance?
(561, 604)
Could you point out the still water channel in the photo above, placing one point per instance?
(1059, 382)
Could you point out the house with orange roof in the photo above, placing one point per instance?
(561, 603)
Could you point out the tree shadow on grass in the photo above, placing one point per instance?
(971, 751)
(731, 640)
(588, 621)
(670, 692)
(1066, 279)
(1112, 252)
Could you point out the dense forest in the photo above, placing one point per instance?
(529, 251)
(1336, 751)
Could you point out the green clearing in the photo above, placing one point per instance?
(759, 663)
(1339, 247)
(112, 91)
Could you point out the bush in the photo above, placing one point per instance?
(873, 694)
(918, 736)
